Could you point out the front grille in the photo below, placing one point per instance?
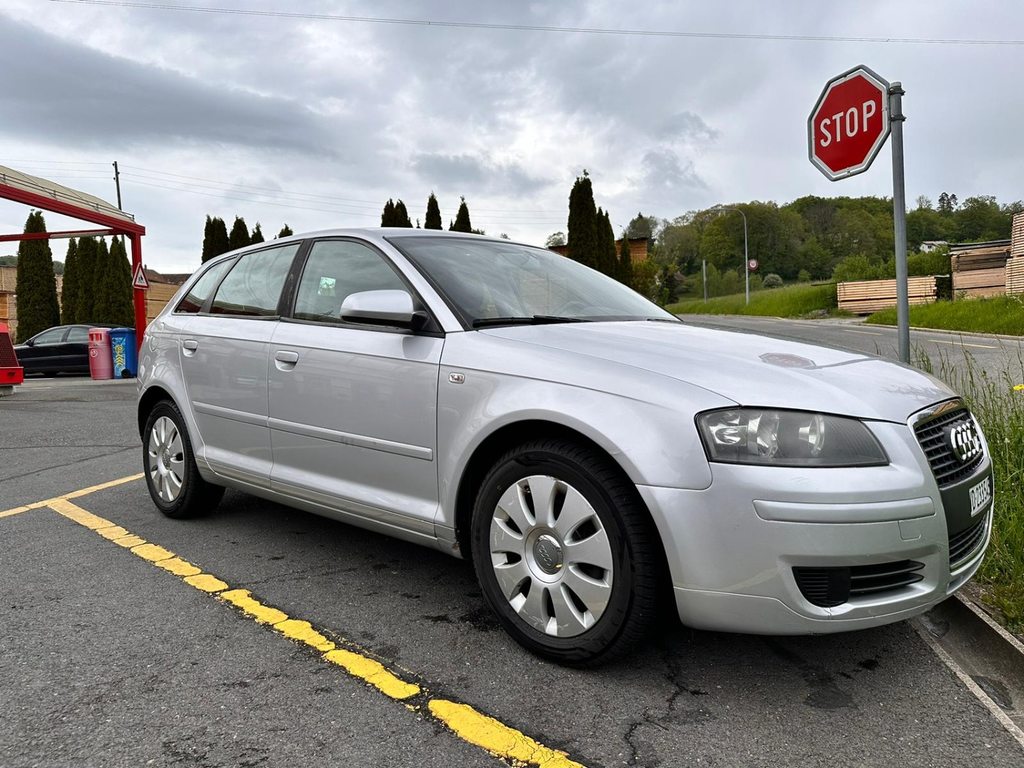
(964, 545)
(829, 587)
(932, 435)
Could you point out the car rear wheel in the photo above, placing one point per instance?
(565, 553)
(172, 477)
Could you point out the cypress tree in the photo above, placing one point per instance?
(208, 240)
(286, 231)
(401, 215)
(218, 237)
(462, 223)
(257, 235)
(582, 225)
(239, 237)
(625, 274)
(122, 309)
(608, 263)
(69, 288)
(102, 288)
(433, 218)
(387, 217)
(84, 297)
(37, 287)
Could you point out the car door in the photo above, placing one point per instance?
(353, 407)
(76, 350)
(224, 352)
(43, 351)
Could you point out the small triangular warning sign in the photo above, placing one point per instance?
(140, 280)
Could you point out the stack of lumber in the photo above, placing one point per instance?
(1015, 275)
(1017, 236)
(866, 296)
(979, 269)
(157, 297)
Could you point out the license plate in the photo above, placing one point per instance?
(981, 496)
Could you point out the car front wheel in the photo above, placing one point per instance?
(172, 477)
(565, 553)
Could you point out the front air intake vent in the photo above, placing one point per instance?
(829, 587)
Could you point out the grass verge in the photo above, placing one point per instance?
(1000, 314)
(999, 407)
(790, 301)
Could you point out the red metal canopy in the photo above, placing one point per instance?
(56, 198)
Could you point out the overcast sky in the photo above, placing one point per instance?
(317, 121)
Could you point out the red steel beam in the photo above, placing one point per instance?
(57, 235)
(36, 200)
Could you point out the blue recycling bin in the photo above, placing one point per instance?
(124, 352)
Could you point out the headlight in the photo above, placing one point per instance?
(788, 439)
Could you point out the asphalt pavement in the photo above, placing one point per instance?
(950, 354)
(109, 658)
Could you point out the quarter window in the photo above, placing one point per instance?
(334, 270)
(50, 337)
(203, 287)
(253, 287)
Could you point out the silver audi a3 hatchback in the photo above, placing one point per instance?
(599, 461)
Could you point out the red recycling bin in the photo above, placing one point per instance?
(101, 362)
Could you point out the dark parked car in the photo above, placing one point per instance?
(62, 349)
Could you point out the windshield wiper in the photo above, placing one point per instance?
(485, 322)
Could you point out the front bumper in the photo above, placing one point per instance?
(732, 547)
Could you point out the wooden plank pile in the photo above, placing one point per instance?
(1015, 275)
(979, 269)
(863, 297)
(157, 297)
(1017, 236)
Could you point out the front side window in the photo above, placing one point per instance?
(334, 270)
(49, 338)
(253, 287)
(494, 283)
(203, 287)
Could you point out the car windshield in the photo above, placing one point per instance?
(492, 283)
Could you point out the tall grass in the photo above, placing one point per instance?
(998, 404)
(791, 301)
(999, 314)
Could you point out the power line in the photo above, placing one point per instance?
(305, 16)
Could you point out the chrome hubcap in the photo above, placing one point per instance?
(551, 556)
(166, 459)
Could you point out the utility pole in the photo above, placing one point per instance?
(117, 183)
(899, 220)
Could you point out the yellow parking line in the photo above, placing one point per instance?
(73, 495)
(462, 720)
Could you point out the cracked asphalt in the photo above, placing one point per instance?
(108, 661)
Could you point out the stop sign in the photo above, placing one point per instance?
(849, 123)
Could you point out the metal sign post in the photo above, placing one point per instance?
(854, 115)
(899, 219)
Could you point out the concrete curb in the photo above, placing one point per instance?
(947, 332)
(986, 658)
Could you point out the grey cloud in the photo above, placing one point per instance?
(470, 171)
(664, 170)
(76, 96)
(685, 126)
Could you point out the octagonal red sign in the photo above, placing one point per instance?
(849, 123)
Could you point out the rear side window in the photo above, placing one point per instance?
(202, 288)
(50, 337)
(253, 287)
(335, 269)
(78, 336)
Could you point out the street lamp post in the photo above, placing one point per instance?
(746, 254)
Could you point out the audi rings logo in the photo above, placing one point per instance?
(965, 441)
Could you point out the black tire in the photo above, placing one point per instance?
(637, 564)
(196, 496)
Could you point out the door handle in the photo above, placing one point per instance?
(285, 360)
(189, 346)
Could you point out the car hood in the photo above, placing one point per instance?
(749, 369)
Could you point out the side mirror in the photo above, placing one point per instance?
(392, 308)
